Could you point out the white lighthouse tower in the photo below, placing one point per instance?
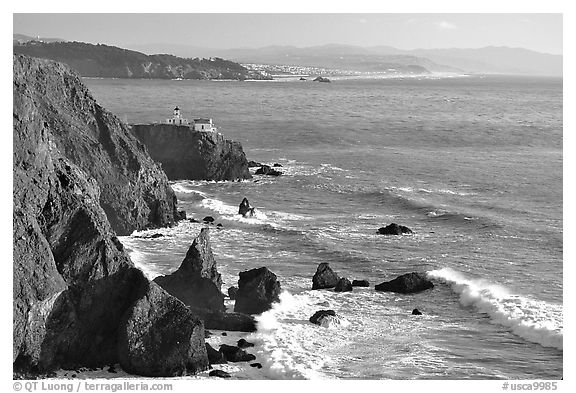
(177, 118)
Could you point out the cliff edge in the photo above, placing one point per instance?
(50, 98)
(78, 301)
(193, 155)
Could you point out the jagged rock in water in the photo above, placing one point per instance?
(150, 345)
(276, 165)
(214, 356)
(360, 283)
(245, 209)
(193, 155)
(406, 283)
(257, 365)
(235, 354)
(321, 79)
(324, 277)
(253, 164)
(197, 281)
(416, 312)
(74, 286)
(267, 170)
(257, 290)
(343, 285)
(209, 219)
(394, 229)
(50, 98)
(242, 343)
(318, 315)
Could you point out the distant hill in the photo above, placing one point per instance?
(489, 60)
(113, 62)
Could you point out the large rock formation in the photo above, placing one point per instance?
(406, 283)
(324, 277)
(257, 290)
(77, 298)
(194, 155)
(197, 281)
(51, 100)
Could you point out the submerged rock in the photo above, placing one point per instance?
(343, 285)
(267, 170)
(257, 290)
(209, 219)
(324, 277)
(245, 209)
(254, 164)
(406, 283)
(360, 283)
(257, 365)
(319, 315)
(321, 79)
(394, 229)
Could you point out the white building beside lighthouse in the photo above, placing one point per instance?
(177, 118)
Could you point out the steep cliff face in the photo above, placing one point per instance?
(188, 154)
(134, 192)
(75, 289)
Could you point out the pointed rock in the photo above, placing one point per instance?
(324, 277)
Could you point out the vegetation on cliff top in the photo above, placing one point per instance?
(106, 61)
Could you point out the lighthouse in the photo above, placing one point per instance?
(177, 118)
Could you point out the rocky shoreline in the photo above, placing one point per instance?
(82, 178)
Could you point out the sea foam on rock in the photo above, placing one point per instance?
(77, 298)
(406, 283)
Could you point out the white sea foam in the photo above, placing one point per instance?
(139, 260)
(534, 320)
(185, 189)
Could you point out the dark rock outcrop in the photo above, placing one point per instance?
(257, 365)
(394, 229)
(219, 374)
(245, 209)
(360, 283)
(197, 281)
(234, 354)
(51, 100)
(242, 343)
(324, 277)
(253, 164)
(416, 312)
(76, 294)
(318, 315)
(159, 336)
(321, 79)
(276, 165)
(343, 285)
(193, 155)
(214, 356)
(231, 321)
(209, 219)
(232, 292)
(406, 283)
(267, 170)
(257, 290)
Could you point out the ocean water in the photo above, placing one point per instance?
(472, 164)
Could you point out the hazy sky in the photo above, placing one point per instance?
(540, 32)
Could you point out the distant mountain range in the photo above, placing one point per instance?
(488, 60)
(21, 39)
(112, 62)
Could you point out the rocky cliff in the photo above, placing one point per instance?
(78, 301)
(106, 61)
(134, 192)
(194, 155)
